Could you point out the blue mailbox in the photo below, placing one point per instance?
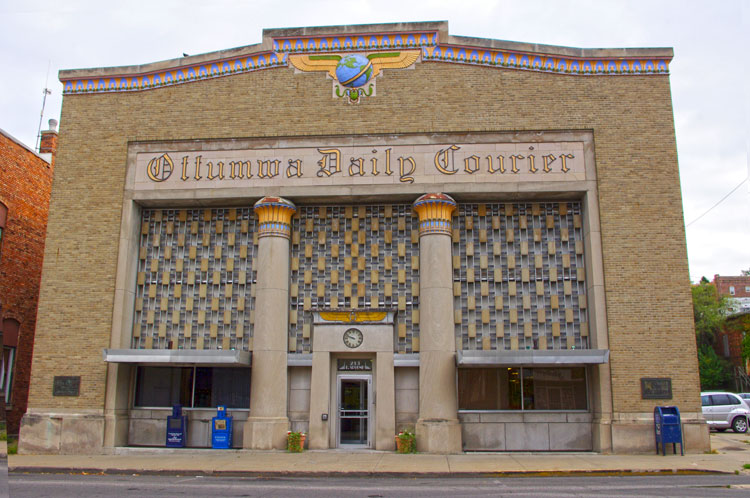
(221, 430)
(176, 428)
(667, 428)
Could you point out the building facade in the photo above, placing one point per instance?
(354, 230)
(736, 289)
(25, 186)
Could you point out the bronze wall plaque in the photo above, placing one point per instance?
(656, 388)
(66, 386)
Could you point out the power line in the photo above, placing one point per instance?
(720, 201)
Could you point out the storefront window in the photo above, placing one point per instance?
(10, 328)
(193, 387)
(517, 388)
(222, 386)
(3, 217)
(6, 372)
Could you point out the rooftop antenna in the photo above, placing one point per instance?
(47, 91)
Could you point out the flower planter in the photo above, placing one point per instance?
(295, 442)
(406, 443)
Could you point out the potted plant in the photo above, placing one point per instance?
(295, 441)
(406, 442)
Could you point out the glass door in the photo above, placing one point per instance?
(354, 411)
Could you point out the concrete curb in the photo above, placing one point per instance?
(359, 474)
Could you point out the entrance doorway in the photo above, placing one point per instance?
(354, 410)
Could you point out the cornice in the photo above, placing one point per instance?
(431, 38)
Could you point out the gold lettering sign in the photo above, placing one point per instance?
(160, 168)
(360, 165)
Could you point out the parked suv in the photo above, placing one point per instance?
(725, 410)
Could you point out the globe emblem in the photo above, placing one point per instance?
(354, 70)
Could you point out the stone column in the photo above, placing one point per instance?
(438, 429)
(268, 422)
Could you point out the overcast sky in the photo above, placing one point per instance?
(709, 72)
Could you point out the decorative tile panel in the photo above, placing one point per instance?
(354, 258)
(195, 279)
(518, 275)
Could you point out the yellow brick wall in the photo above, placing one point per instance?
(645, 261)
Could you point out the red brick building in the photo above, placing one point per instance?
(25, 185)
(737, 290)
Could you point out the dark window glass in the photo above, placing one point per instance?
(554, 389)
(489, 389)
(164, 386)
(720, 399)
(6, 373)
(705, 401)
(199, 387)
(3, 218)
(522, 388)
(222, 386)
(734, 400)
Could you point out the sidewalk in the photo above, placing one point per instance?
(732, 454)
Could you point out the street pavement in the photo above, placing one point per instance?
(730, 453)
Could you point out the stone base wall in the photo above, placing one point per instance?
(636, 434)
(61, 433)
(149, 427)
(503, 431)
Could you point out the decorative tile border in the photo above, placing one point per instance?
(356, 42)
(545, 63)
(427, 41)
(176, 76)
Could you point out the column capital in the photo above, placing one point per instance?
(274, 217)
(435, 212)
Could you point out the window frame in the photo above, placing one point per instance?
(521, 368)
(7, 374)
(3, 222)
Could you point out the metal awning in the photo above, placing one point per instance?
(222, 357)
(406, 360)
(299, 359)
(532, 357)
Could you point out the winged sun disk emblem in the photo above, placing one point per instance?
(375, 62)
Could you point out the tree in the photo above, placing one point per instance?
(741, 324)
(745, 273)
(715, 372)
(709, 313)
